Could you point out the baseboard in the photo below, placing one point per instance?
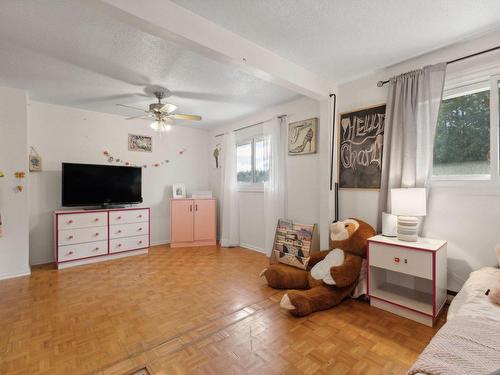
(160, 243)
(5, 277)
(252, 247)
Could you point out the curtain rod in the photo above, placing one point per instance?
(249, 126)
(382, 83)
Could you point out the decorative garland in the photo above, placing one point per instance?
(112, 159)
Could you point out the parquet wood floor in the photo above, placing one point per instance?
(189, 311)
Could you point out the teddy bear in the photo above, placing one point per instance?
(332, 275)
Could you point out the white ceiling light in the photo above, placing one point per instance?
(162, 125)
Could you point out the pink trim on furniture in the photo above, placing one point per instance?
(404, 307)
(408, 247)
(107, 211)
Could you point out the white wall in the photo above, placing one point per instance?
(62, 134)
(14, 248)
(466, 216)
(303, 177)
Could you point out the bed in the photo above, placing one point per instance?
(469, 342)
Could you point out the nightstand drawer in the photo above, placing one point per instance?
(412, 262)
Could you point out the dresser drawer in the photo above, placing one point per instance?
(82, 220)
(79, 235)
(83, 250)
(128, 230)
(128, 216)
(412, 262)
(130, 243)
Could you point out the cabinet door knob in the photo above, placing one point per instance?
(69, 253)
(119, 231)
(70, 221)
(139, 216)
(139, 229)
(96, 234)
(96, 219)
(96, 249)
(140, 242)
(70, 237)
(118, 217)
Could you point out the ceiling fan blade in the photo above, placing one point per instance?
(129, 106)
(168, 108)
(181, 116)
(138, 117)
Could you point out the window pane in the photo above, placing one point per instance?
(462, 144)
(261, 165)
(244, 163)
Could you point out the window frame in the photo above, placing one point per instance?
(462, 87)
(250, 186)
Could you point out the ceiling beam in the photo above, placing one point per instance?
(170, 21)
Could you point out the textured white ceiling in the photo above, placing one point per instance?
(344, 39)
(64, 52)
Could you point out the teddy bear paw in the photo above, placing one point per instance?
(286, 304)
(263, 272)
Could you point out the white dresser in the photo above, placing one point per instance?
(87, 236)
(407, 278)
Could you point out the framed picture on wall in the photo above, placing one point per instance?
(142, 143)
(302, 137)
(360, 148)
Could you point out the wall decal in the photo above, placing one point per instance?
(142, 143)
(216, 154)
(20, 177)
(360, 150)
(302, 137)
(112, 159)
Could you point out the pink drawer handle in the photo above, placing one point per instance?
(70, 237)
(97, 234)
(119, 245)
(96, 219)
(70, 221)
(118, 217)
(139, 216)
(69, 253)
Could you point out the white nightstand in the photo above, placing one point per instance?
(407, 278)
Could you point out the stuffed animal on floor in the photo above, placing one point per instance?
(333, 276)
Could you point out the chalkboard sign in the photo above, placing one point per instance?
(360, 151)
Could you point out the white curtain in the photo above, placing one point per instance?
(411, 116)
(275, 191)
(230, 212)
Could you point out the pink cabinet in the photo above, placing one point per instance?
(193, 222)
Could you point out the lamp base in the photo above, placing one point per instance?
(408, 228)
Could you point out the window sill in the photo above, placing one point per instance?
(251, 188)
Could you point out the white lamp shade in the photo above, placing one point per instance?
(408, 202)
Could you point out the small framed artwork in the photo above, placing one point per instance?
(179, 191)
(35, 161)
(141, 143)
(302, 137)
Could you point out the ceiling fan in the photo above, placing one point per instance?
(162, 114)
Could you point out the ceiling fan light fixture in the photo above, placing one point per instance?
(163, 125)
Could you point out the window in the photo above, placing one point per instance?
(251, 165)
(466, 142)
(462, 143)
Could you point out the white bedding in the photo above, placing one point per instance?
(472, 300)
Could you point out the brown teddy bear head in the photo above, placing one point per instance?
(351, 236)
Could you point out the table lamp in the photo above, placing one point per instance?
(407, 204)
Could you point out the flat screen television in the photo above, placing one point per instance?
(100, 185)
